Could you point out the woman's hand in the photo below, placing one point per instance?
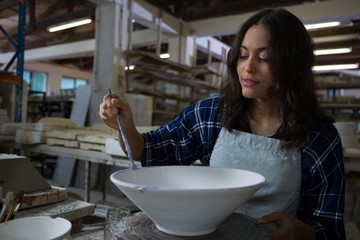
(287, 227)
(112, 106)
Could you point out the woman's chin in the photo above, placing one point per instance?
(248, 94)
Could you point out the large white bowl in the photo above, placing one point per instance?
(36, 228)
(187, 200)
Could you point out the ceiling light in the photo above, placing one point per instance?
(67, 25)
(321, 25)
(332, 51)
(164, 55)
(131, 67)
(335, 67)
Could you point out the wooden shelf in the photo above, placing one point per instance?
(204, 69)
(10, 78)
(339, 85)
(136, 57)
(341, 105)
(159, 94)
(40, 106)
(158, 75)
(167, 81)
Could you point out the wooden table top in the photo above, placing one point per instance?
(69, 209)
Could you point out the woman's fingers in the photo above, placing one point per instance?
(111, 106)
(285, 226)
(270, 218)
(108, 110)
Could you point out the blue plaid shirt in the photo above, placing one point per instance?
(192, 136)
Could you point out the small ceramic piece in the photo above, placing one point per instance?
(35, 228)
(345, 128)
(347, 131)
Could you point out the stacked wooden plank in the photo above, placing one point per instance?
(40, 198)
(3, 119)
(8, 131)
(35, 133)
(88, 138)
(95, 141)
(3, 116)
(6, 135)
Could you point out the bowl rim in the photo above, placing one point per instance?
(142, 187)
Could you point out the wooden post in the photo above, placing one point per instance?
(130, 24)
(180, 41)
(223, 61)
(209, 52)
(158, 41)
(194, 53)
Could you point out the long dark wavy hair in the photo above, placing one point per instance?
(290, 61)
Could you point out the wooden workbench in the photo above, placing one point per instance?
(351, 157)
(87, 156)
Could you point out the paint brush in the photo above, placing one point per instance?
(8, 198)
(126, 142)
(1, 197)
(14, 206)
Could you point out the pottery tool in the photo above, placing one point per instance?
(14, 206)
(1, 197)
(8, 198)
(126, 142)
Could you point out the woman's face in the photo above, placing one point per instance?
(252, 67)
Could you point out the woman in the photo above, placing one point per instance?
(266, 119)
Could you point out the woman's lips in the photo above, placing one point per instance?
(248, 82)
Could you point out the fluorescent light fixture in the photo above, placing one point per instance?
(131, 67)
(321, 25)
(164, 55)
(332, 51)
(335, 67)
(67, 25)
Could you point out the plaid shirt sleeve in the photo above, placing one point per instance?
(189, 137)
(323, 184)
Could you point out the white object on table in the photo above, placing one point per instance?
(35, 228)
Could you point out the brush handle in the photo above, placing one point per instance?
(126, 142)
(8, 198)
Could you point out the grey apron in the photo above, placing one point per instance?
(280, 167)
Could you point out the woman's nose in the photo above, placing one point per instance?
(250, 65)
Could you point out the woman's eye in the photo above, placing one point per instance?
(242, 56)
(265, 59)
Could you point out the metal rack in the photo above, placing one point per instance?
(17, 79)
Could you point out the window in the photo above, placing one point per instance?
(71, 83)
(37, 81)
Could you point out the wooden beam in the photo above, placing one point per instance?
(355, 43)
(307, 12)
(346, 58)
(335, 31)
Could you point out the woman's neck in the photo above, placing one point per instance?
(265, 118)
